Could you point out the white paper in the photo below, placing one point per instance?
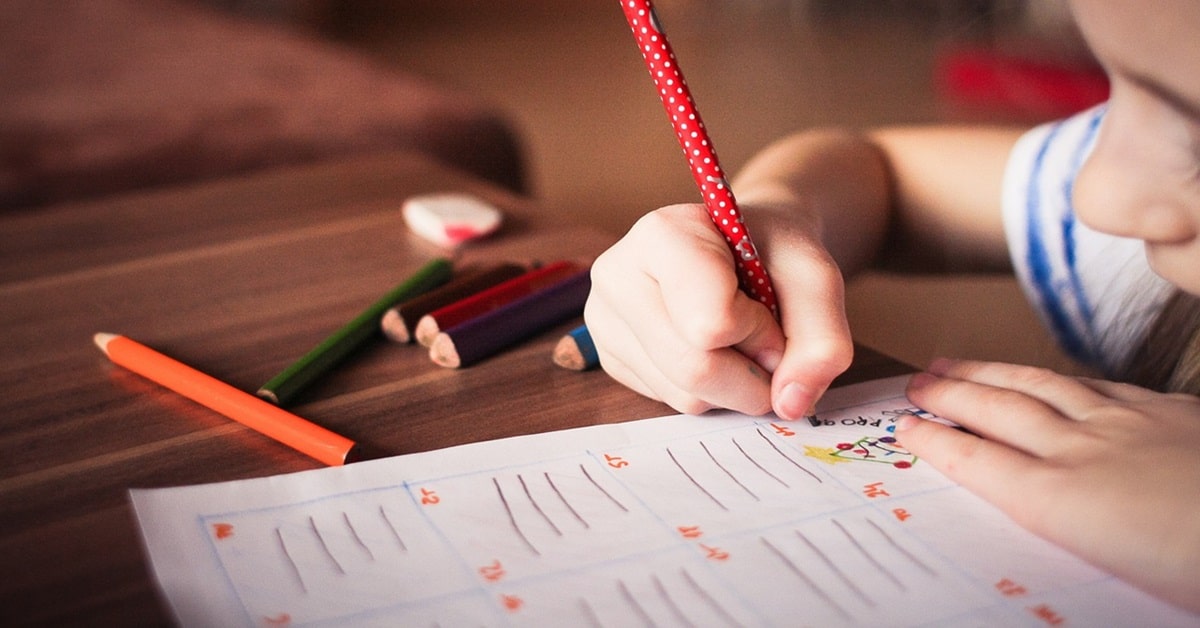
(720, 520)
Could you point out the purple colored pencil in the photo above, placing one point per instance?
(484, 336)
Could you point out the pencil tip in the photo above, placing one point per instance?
(566, 354)
(443, 353)
(426, 330)
(393, 326)
(268, 395)
(102, 339)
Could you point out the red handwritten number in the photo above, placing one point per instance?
(1048, 615)
(783, 430)
(1008, 588)
(690, 532)
(875, 489)
(901, 514)
(222, 530)
(511, 602)
(493, 572)
(714, 553)
(429, 497)
(616, 462)
(283, 619)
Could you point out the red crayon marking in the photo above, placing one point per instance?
(222, 530)
(1008, 588)
(1048, 615)
(616, 462)
(783, 430)
(493, 572)
(875, 489)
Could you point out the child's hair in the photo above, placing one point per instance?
(1168, 360)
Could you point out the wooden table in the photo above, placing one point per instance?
(237, 278)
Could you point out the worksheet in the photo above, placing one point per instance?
(717, 520)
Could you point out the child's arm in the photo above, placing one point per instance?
(1106, 470)
(665, 310)
(930, 195)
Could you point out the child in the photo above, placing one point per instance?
(1099, 215)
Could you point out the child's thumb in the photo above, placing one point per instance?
(818, 349)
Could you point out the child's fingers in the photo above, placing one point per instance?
(1069, 396)
(688, 378)
(694, 270)
(694, 288)
(1001, 414)
(687, 331)
(720, 377)
(660, 390)
(994, 471)
(1119, 391)
(763, 342)
(621, 356)
(818, 343)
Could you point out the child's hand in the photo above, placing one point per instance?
(669, 320)
(1109, 471)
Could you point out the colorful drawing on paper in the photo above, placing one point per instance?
(882, 449)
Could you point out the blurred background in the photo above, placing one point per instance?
(599, 149)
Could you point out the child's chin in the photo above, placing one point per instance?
(1178, 264)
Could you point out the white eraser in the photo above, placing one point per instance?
(450, 219)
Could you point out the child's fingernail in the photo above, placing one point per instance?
(921, 380)
(940, 366)
(793, 402)
(906, 421)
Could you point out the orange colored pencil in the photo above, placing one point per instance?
(265, 418)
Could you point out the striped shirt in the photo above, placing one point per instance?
(1095, 292)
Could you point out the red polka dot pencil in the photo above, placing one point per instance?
(693, 138)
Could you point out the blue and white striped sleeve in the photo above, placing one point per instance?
(1094, 292)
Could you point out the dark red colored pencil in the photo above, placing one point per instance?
(399, 322)
(488, 300)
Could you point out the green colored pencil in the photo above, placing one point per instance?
(286, 385)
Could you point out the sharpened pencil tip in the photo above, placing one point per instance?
(443, 353)
(566, 354)
(102, 339)
(393, 326)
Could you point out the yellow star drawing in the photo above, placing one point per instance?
(827, 455)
